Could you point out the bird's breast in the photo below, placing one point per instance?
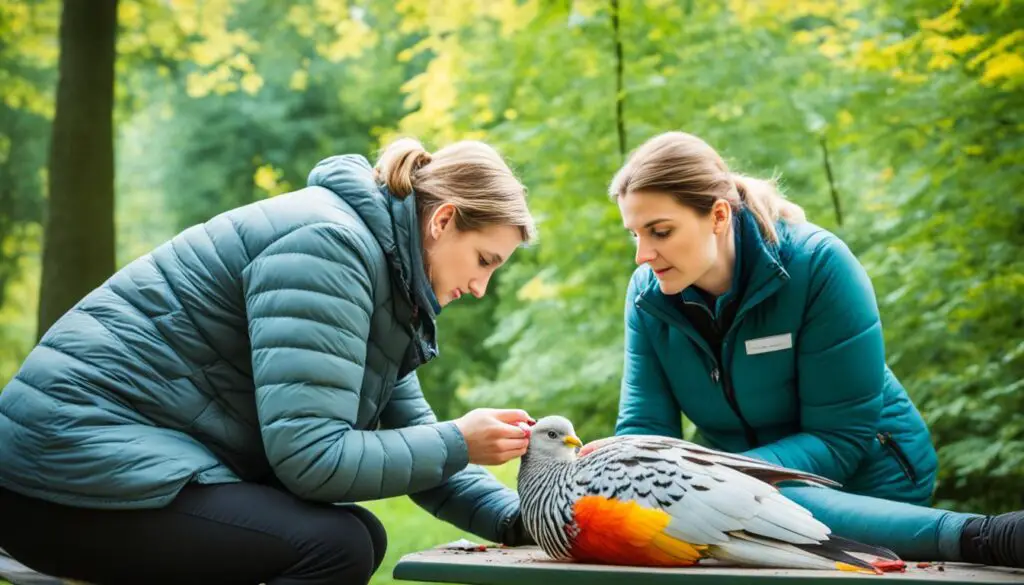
(622, 532)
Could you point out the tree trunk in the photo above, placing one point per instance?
(78, 251)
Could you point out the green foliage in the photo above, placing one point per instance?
(267, 94)
(28, 31)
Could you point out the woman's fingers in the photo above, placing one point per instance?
(510, 431)
(513, 416)
(505, 450)
(512, 445)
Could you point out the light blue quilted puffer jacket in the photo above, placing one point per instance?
(275, 343)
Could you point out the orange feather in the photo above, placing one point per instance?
(620, 532)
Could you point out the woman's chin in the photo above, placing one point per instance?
(671, 286)
(443, 299)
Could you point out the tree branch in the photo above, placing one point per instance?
(620, 97)
(831, 180)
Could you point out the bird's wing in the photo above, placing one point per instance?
(757, 468)
(705, 495)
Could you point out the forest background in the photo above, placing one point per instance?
(896, 124)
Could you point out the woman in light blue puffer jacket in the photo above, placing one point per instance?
(211, 413)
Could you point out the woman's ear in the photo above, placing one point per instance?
(441, 220)
(721, 216)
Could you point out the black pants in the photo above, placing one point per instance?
(220, 534)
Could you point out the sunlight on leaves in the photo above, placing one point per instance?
(269, 179)
(1008, 67)
(537, 290)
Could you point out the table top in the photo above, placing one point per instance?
(530, 566)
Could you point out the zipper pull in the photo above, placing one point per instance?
(715, 375)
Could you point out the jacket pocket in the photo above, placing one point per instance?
(893, 447)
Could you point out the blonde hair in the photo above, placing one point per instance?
(691, 171)
(469, 174)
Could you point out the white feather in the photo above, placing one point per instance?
(783, 500)
(775, 512)
(757, 554)
(763, 527)
(694, 530)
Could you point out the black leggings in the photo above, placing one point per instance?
(218, 534)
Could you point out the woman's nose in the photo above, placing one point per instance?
(644, 253)
(478, 286)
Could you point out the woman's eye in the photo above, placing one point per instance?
(483, 262)
(661, 235)
(552, 435)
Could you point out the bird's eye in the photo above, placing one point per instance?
(552, 435)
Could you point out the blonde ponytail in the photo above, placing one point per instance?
(763, 198)
(397, 164)
(470, 175)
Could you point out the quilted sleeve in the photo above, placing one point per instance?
(472, 499)
(309, 302)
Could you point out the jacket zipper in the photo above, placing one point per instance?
(730, 397)
(885, 438)
(722, 373)
(719, 374)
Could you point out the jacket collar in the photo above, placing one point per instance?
(758, 271)
(764, 273)
(394, 223)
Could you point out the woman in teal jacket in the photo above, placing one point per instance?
(211, 413)
(763, 330)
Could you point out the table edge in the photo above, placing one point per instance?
(413, 567)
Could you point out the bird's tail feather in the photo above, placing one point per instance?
(756, 552)
(853, 553)
(836, 553)
(852, 546)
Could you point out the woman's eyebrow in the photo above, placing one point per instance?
(496, 258)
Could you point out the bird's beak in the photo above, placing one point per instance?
(574, 441)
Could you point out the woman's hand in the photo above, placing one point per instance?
(493, 436)
(594, 445)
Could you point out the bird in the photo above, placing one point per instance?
(656, 501)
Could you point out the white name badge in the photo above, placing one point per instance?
(769, 344)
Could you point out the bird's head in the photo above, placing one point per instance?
(553, 437)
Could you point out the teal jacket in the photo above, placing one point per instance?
(801, 379)
(275, 343)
